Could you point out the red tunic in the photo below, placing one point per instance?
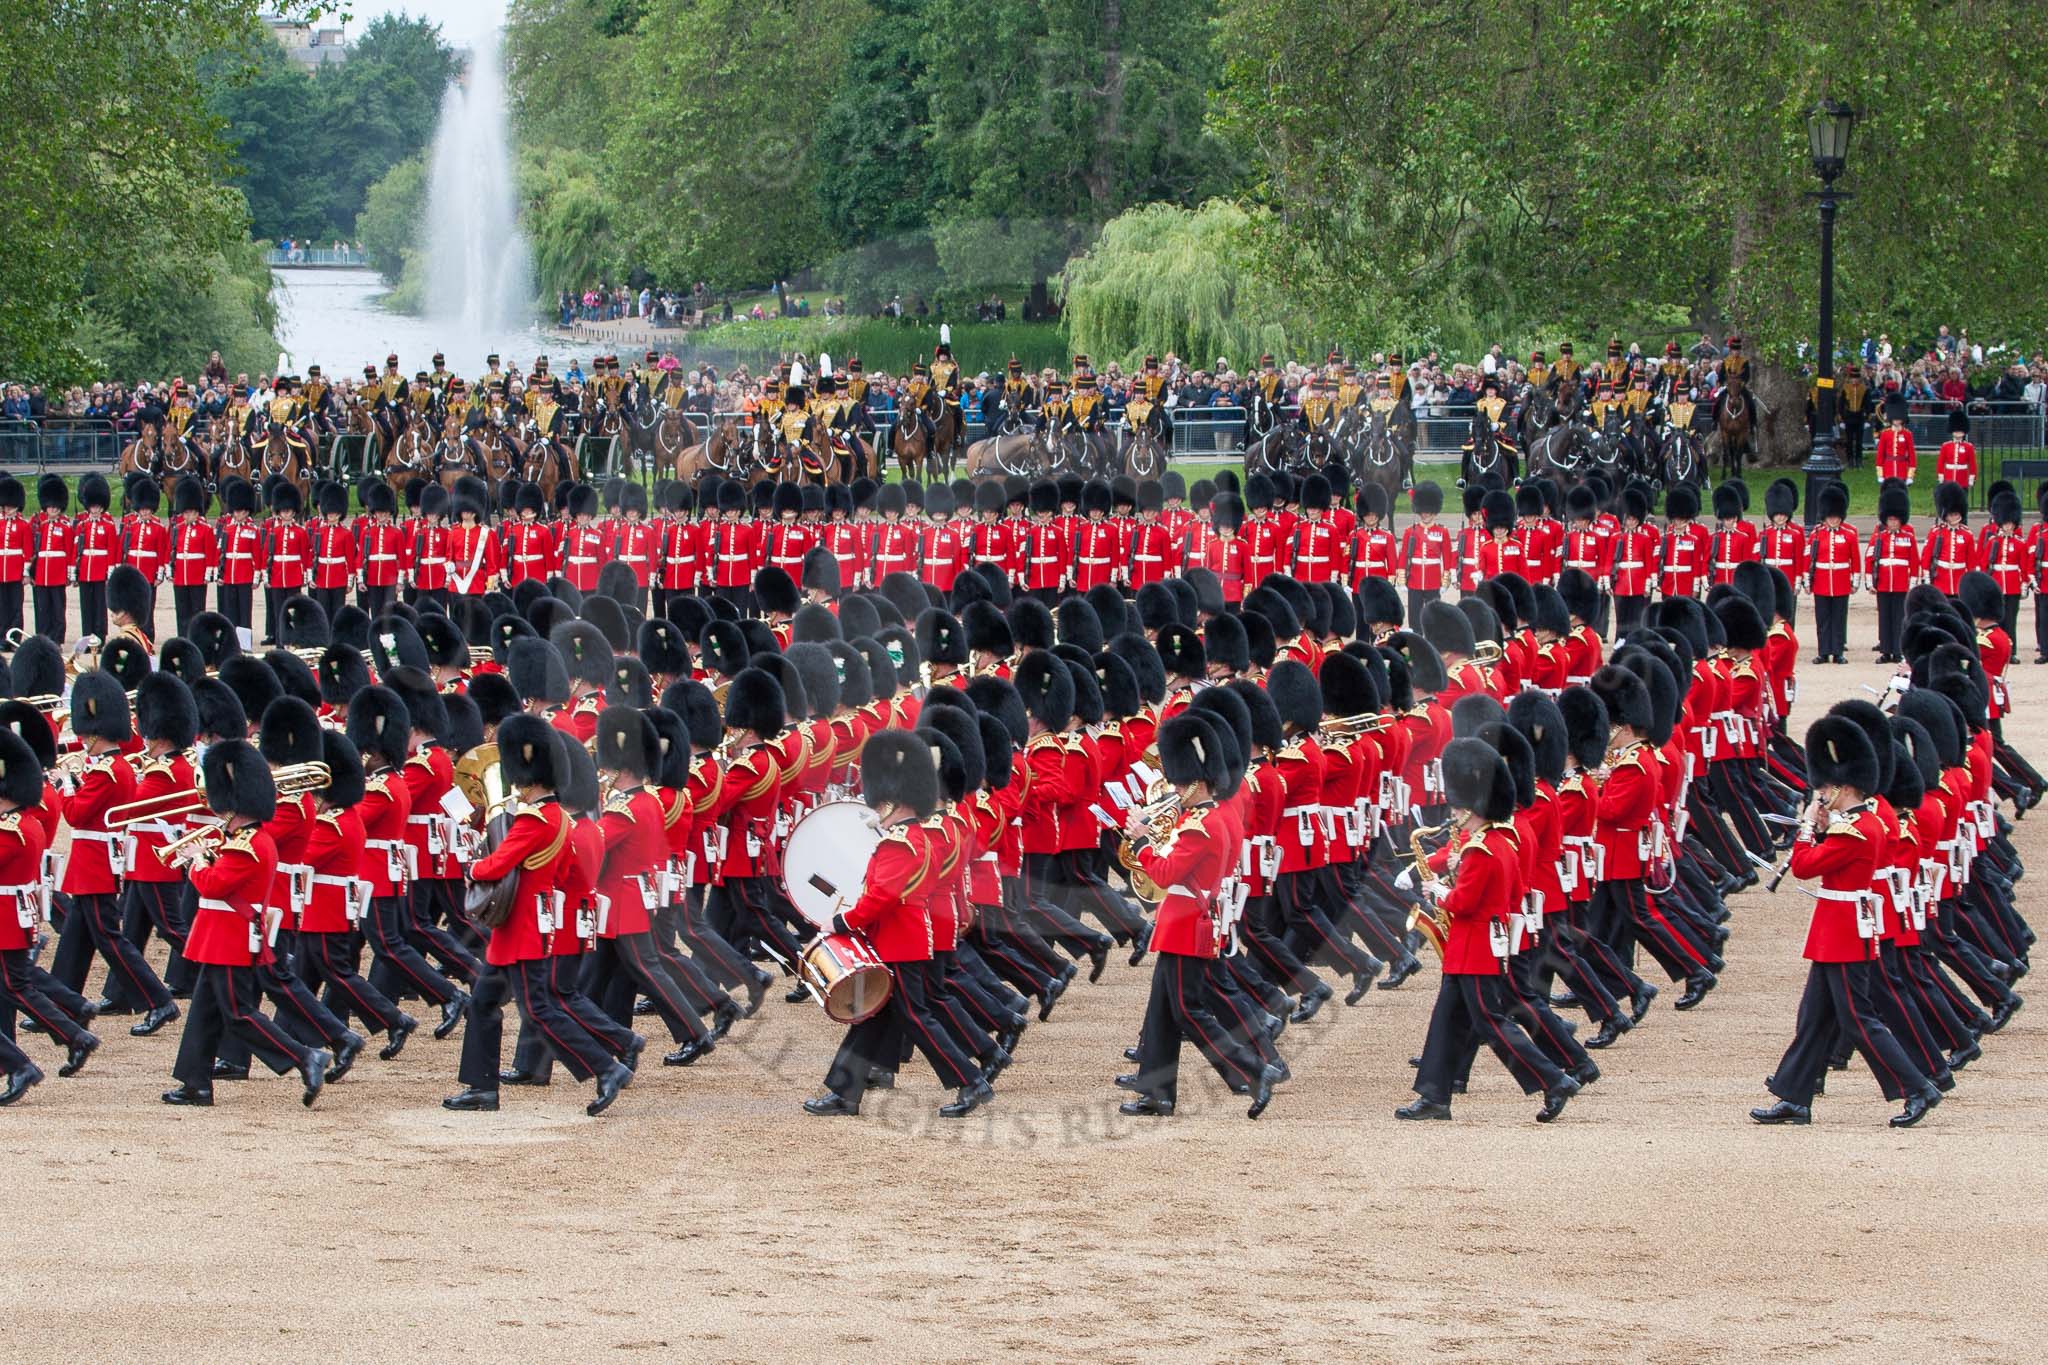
(890, 909)
(1845, 859)
(534, 848)
(1190, 865)
(1487, 886)
(107, 782)
(233, 891)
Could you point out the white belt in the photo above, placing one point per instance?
(377, 559)
(1096, 561)
(325, 879)
(324, 559)
(208, 903)
(162, 829)
(1845, 897)
(97, 836)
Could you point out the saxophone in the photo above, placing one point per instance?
(1158, 815)
(1427, 916)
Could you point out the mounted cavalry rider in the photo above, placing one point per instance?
(1084, 411)
(1350, 392)
(1673, 381)
(1147, 406)
(611, 385)
(1564, 382)
(1617, 368)
(440, 377)
(859, 419)
(493, 378)
(834, 413)
(1017, 399)
(318, 399)
(1269, 395)
(792, 430)
(1319, 407)
(393, 381)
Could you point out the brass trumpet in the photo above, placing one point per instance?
(479, 655)
(49, 703)
(297, 779)
(1158, 815)
(200, 841)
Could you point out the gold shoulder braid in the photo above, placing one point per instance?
(551, 852)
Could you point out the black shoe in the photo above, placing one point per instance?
(1361, 982)
(395, 1040)
(451, 1015)
(1963, 1056)
(879, 1079)
(723, 1016)
(1945, 1082)
(1098, 958)
(1916, 1108)
(1130, 1054)
(1139, 947)
(832, 1105)
(608, 1087)
(1406, 967)
(154, 1020)
(757, 991)
(1423, 1109)
(642, 1005)
(1784, 1111)
(1639, 1003)
(798, 994)
(631, 1056)
(474, 1101)
(1555, 1098)
(996, 1063)
(318, 1062)
(199, 1096)
(345, 1053)
(75, 1057)
(1610, 1032)
(2002, 1013)
(1311, 1002)
(1286, 1071)
(1146, 1107)
(18, 1083)
(512, 1075)
(1007, 1039)
(1051, 996)
(1586, 1072)
(107, 1007)
(686, 1054)
(1696, 987)
(1565, 1000)
(1262, 1091)
(966, 1100)
(222, 1071)
(1820, 658)
(1131, 1081)
(1276, 1024)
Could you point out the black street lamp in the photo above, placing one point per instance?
(1827, 137)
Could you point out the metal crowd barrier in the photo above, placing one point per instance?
(59, 447)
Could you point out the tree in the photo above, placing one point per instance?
(1162, 278)
(1526, 160)
(558, 56)
(708, 155)
(570, 220)
(1047, 120)
(871, 169)
(106, 148)
(389, 225)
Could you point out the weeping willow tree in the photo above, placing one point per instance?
(1165, 279)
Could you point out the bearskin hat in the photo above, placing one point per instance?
(1379, 604)
(1625, 696)
(820, 677)
(535, 668)
(1031, 624)
(775, 591)
(288, 733)
(1839, 754)
(21, 772)
(253, 682)
(1348, 686)
(956, 736)
(1447, 631)
(1741, 622)
(626, 742)
(164, 710)
(1279, 614)
(1182, 653)
(1476, 779)
(585, 652)
(379, 723)
(530, 753)
(238, 781)
(896, 769)
(1046, 687)
(1585, 722)
(1513, 747)
(756, 702)
(1297, 695)
(1224, 642)
(422, 702)
(1542, 723)
(220, 710)
(1111, 611)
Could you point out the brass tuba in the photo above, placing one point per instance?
(1159, 814)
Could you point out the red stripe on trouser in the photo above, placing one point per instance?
(1254, 1038)
(348, 983)
(1929, 1054)
(255, 1020)
(1674, 937)
(933, 1052)
(434, 986)
(1863, 1032)
(22, 991)
(1493, 1023)
(112, 953)
(562, 1049)
(631, 949)
(1188, 1024)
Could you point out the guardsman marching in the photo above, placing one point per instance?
(1956, 462)
(52, 559)
(241, 548)
(287, 554)
(1951, 549)
(1634, 569)
(1735, 536)
(16, 554)
(1685, 565)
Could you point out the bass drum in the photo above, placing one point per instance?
(850, 981)
(826, 859)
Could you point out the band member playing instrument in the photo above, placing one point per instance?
(533, 852)
(899, 779)
(167, 719)
(1842, 842)
(1472, 1004)
(23, 896)
(1190, 860)
(231, 935)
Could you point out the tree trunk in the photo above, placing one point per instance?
(1783, 438)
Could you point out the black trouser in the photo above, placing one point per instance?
(725, 964)
(227, 1003)
(877, 1041)
(377, 598)
(237, 601)
(742, 598)
(273, 609)
(2040, 626)
(100, 917)
(20, 989)
(1471, 1010)
(1852, 440)
(1586, 964)
(1836, 1003)
(1042, 898)
(331, 600)
(1418, 598)
(530, 986)
(1177, 1012)
(1891, 622)
(613, 968)
(1831, 626)
(444, 928)
(2010, 617)
(422, 596)
(399, 965)
(1087, 892)
(10, 610)
(92, 608)
(50, 612)
(1900, 1008)
(1265, 938)
(1628, 614)
(1307, 899)
(331, 960)
(740, 908)
(187, 602)
(533, 1056)
(298, 1009)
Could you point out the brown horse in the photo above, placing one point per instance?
(284, 452)
(947, 429)
(1735, 418)
(156, 453)
(1144, 453)
(913, 448)
(715, 454)
(540, 463)
(1020, 452)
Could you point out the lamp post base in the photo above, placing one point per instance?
(1823, 466)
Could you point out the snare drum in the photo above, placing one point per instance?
(850, 981)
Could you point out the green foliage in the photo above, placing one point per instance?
(871, 170)
(108, 165)
(557, 54)
(1164, 279)
(709, 147)
(154, 322)
(388, 227)
(571, 219)
(1049, 119)
(308, 146)
(1509, 163)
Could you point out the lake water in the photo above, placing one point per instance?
(330, 318)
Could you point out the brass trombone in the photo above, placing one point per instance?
(1487, 652)
(1343, 729)
(152, 809)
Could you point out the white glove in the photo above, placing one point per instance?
(1406, 881)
